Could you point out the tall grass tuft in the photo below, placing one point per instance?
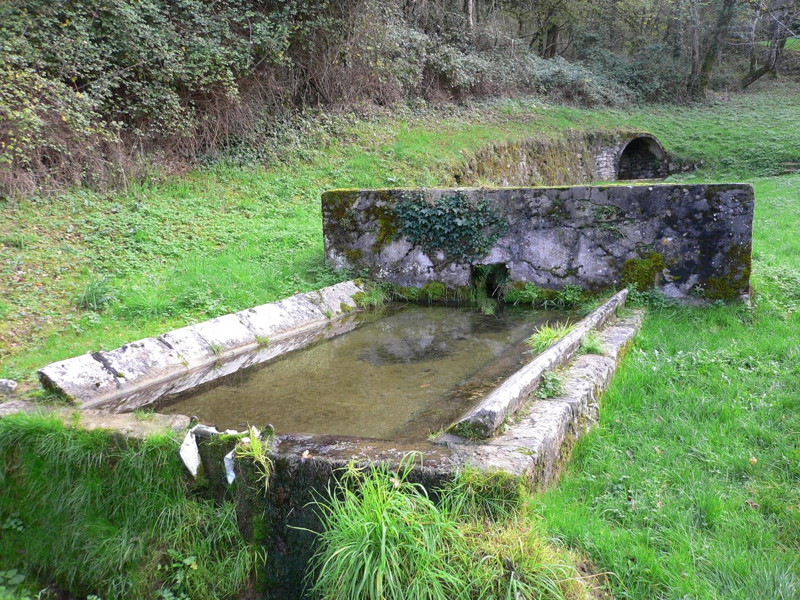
(547, 336)
(472, 493)
(384, 538)
(96, 294)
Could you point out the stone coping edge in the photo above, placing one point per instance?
(146, 369)
(484, 419)
(537, 442)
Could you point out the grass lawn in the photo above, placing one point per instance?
(690, 485)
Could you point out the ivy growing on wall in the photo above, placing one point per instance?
(464, 230)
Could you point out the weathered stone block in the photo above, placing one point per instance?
(226, 334)
(143, 360)
(192, 347)
(140, 373)
(334, 300)
(277, 318)
(82, 379)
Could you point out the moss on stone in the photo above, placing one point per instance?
(541, 160)
(337, 203)
(738, 261)
(406, 292)
(469, 430)
(353, 255)
(433, 291)
(557, 211)
(386, 221)
(643, 272)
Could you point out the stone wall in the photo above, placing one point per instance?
(685, 240)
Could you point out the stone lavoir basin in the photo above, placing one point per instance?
(339, 382)
(403, 373)
(343, 384)
(318, 364)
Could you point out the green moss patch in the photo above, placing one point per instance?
(738, 260)
(643, 272)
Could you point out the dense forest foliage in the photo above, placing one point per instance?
(88, 88)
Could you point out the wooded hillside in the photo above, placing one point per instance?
(91, 90)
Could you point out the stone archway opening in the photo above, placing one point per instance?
(642, 158)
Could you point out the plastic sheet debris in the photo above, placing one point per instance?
(189, 452)
(230, 475)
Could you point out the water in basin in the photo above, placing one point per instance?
(402, 374)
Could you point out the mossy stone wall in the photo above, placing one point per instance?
(685, 240)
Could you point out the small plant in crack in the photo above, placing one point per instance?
(551, 385)
(591, 343)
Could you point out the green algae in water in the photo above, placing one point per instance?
(397, 377)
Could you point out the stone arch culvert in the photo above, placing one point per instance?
(579, 157)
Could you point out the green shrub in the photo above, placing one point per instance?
(651, 74)
(570, 82)
(569, 296)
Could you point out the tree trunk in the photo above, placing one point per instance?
(775, 51)
(550, 42)
(753, 28)
(695, 46)
(469, 10)
(724, 19)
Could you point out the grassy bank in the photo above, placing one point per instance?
(96, 513)
(85, 271)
